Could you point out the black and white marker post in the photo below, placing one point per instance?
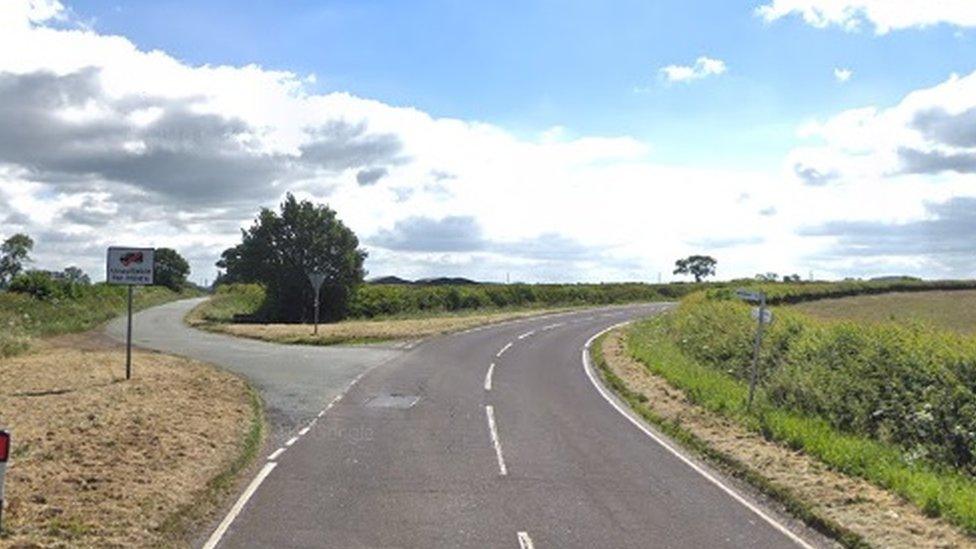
(4, 455)
(316, 280)
(129, 267)
(763, 316)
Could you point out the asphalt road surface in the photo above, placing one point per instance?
(495, 437)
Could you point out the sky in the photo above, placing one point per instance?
(534, 141)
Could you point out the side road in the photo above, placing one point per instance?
(294, 381)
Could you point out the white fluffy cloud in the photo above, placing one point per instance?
(843, 75)
(883, 15)
(703, 67)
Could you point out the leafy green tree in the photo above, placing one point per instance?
(74, 275)
(14, 252)
(280, 249)
(698, 266)
(170, 269)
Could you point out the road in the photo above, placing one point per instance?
(495, 437)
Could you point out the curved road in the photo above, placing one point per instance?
(494, 437)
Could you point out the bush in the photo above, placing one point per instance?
(910, 386)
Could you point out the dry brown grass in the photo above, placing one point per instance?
(99, 461)
(955, 310)
(880, 518)
(364, 331)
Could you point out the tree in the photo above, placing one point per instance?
(14, 252)
(792, 278)
(170, 269)
(279, 250)
(74, 275)
(698, 266)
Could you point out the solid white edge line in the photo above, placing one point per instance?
(239, 506)
(505, 348)
(274, 455)
(525, 542)
(488, 376)
(670, 448)
(490, 411)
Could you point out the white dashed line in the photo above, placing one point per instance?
(525, 542)
(526, 334)
(491, 369)
(303, 432)
(239, 506)
(505, 348)
(490, 410)
(587, 366)
(551, 326)
(274, 455)
(291, 441)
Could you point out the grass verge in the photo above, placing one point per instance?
(98, 461)
(361, 331)
(950, 310)
(938, 491)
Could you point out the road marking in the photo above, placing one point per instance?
(588, 368)
(551, 326)
(275, 454)
(526, 334)
(490, 410)
(239, 506)
(488, 376)
(291, 441)
(303, 432)
(525, 542)
(505, 348)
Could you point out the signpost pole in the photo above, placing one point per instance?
(128, 341)
(4, 455)
(315, 330)
(758, 344)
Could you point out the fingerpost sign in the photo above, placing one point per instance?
(129, 267)
(763, 316)
(316, 280)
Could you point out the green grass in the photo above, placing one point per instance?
(23, 317)
(950, 310)
(938, 490)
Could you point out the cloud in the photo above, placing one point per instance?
(944, 237)
(843, 75)
(812, 176)
(884, 15)
(370, 176)
(957, 130)
(702, 68)
(423, 234)
(713, 243)
(935, 162)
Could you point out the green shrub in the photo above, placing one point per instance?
(909, 386)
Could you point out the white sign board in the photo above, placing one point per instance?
(130, 266)
(767, 315)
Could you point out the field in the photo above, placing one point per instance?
(102, 462)
(950, 310)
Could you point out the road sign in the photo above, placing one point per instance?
(130, 266)
(767, 315)
(316, 280)
(747, 295)
(4, 455)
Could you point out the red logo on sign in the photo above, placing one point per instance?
(130, 258)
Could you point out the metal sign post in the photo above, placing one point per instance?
(316, 280)
(763, 316)
(4, 455)
(129, 267)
